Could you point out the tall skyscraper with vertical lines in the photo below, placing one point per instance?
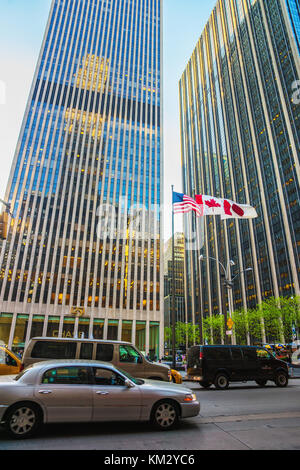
(83, 252)
(240, 117)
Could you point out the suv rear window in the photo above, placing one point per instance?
(54, 350)
(104, 352)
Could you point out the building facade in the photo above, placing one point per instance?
(180, 315)
(240, 131)
(83, 251)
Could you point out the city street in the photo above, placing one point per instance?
(241, 418)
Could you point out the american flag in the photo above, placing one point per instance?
(183, 204)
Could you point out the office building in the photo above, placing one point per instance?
(240, 131)
(180, 315)
(83, 251)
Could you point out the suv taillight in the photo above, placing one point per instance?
(201, 355)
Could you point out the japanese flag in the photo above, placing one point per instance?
(226, 208)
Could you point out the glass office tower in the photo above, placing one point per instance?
(83, 253)
(240, 131)
(293, 7)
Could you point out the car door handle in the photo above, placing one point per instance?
(101, 393)
(45, 391)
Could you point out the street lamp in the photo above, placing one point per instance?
(228, 283)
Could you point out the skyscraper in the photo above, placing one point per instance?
(83, 252)
(178, 279)
(240, 139)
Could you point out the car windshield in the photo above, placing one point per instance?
(133, 379)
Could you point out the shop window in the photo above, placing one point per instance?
(98, 328)
(154, 340)
(83, 328)
(112, 330)
(126, 331)
(37, 326)
(53, 327)
(140, 336)
(20, 332)
(68, 327)
(5, 325)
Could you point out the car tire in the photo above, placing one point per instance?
(221, 382)
(204, 384)
(261, 383)
(165, 415)
(23, 420)
(281, 379)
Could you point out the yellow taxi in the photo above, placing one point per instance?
(176, 376)
(10, 364)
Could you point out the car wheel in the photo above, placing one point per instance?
(261, 383)
(23, 420)
(165, 415)
(281, 379)
(204, 384)
(221, 382)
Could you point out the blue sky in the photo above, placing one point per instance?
(22, 25)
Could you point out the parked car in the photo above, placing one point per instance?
(220, 365)
(77, 391)
(120, 353)
(10, 364)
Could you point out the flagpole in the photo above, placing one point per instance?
(173, 289)
(199, 268)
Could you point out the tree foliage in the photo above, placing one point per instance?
(277, 318)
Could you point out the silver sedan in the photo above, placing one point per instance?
(64, 391)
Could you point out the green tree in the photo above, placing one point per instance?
(213, 327)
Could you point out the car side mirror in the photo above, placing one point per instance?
(128, 384)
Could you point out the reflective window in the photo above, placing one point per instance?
(262, 354)
(104, 352)
(128, 354)
(217, 354)
(249, 354)
(67, 375)
(106, 377)
(54, 350)
(236, 354)
(86, 351)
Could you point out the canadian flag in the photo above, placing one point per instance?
(226, 208)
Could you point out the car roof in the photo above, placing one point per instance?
(79, 362)
(46, 338)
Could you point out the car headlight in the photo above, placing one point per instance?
(190, 397)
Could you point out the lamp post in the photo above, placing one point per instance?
(228, 284)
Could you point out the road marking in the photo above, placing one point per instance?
(265, 416)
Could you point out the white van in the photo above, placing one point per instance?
(120, 353)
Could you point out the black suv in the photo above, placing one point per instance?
(220, 365)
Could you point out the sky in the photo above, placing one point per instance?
(22, 27)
